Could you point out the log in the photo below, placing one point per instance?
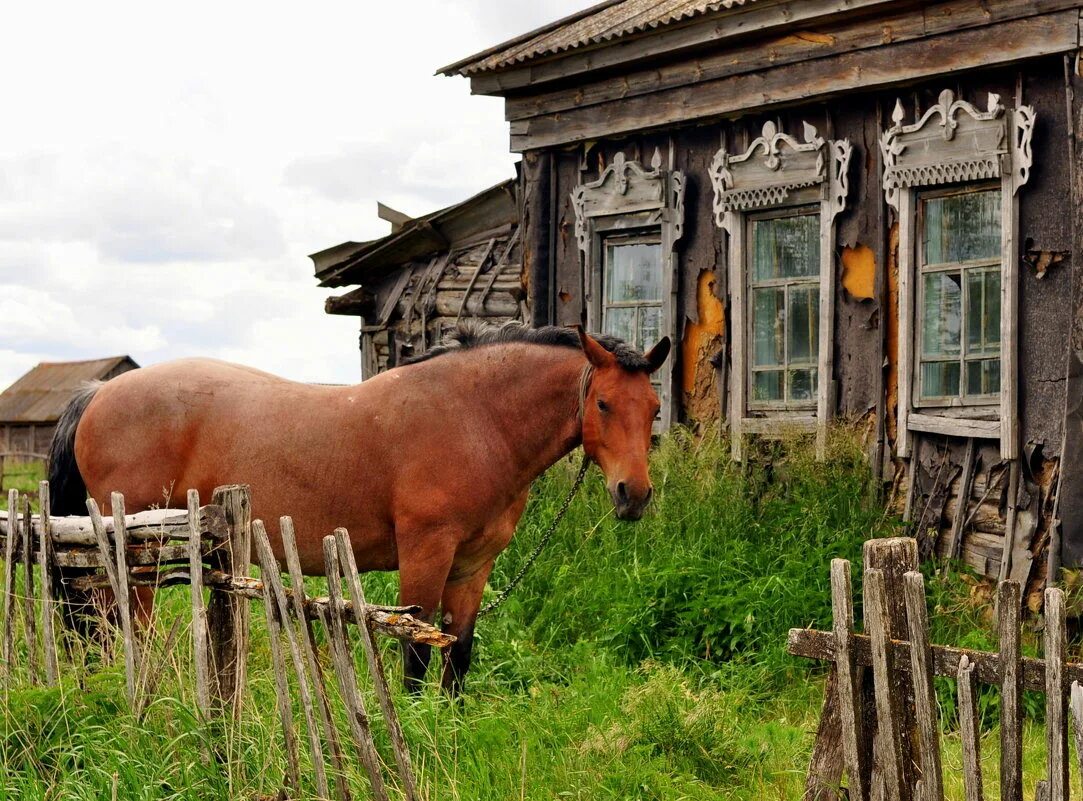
(154, 524)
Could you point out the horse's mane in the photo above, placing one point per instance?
(476, 334)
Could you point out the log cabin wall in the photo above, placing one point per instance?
(961, 495)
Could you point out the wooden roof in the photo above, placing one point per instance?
(600, 23)
(357, 263)
(41, 394)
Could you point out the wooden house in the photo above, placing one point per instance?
(852, 209)
(429, 274)
(30, 408)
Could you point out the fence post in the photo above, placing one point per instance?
(894, 557)
(227, 614)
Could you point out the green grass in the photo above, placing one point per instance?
(636, 661)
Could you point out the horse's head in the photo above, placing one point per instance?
(619, 407)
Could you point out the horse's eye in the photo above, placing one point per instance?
(602, 405)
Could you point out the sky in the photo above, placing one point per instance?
(165, 170)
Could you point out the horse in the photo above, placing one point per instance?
(427, 465)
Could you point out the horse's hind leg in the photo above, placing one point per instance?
(460, 611)
(422, 575)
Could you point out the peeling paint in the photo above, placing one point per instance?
(564, 296)
(702, 339)
(859, 272)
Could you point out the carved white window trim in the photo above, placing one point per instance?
(954, 143)
(775, 172)
(629, 198)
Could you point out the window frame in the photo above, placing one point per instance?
(956, 146)
(964, 268)
(778, 174)
(649, 237)
(751, 284)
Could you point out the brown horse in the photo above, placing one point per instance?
(427, 465)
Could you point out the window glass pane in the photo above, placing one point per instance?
(650, 327)
(983, 311)
(962, 227)
(633, 272)
(802, 385)
(939, 379)
(787, 247)
(621, 323)
(983, 377)
(768, 308)
(803, 324)
(941, 314)
(767, 385)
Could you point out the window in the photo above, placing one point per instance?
(784, 310)
(959, 298)
(777, 202)
(953, 177)
(632, 290)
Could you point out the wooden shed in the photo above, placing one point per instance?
(414, 285)
(842, 209)
(30, 408)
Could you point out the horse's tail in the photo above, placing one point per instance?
(67, 490)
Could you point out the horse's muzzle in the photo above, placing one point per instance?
(629, 504)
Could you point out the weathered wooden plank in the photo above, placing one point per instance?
(376, 669)
(1011, 690)
(121, 588)
(954, 426)
(227, 613)
(969, 731)
(958, 523)
(273, 579)
(820, 645)
(9, 582)
(48, 596)
(921, 668)
(1056, 723)
(200, 653)
(297, 600)
(274, 636)
(849, 687)
(154, 524)
(1077, 722)
(825, 764)
(877, 623)
(29, 629)
(334, 616)
(821, 79)
(148, 555)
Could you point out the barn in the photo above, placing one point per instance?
(412, 286)
(841, 209)
(30, 408)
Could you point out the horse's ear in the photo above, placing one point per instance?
(597, 355)
(657, 355)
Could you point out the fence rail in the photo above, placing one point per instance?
(879, 726)
(210, 548)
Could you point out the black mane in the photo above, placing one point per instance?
(476, 335)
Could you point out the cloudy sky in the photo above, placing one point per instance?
(166, 169)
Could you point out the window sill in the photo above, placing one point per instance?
(779, 424)
(954, 426)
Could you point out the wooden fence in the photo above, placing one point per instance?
(209, 548)
(879, 723)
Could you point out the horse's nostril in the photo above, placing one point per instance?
(622, 492)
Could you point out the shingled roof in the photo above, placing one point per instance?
(600, 23)
(41, 395)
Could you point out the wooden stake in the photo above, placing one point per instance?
(1011, 690)
(282, 690)
(1056, 727)
(48, 596)
(921, 656)
(124, 607)
(9, 577)
(969, 731)
(346, 672)
(273, 580)
(372, 656)
(887, 718)
(29, 629)
(228, 614)
(297, 602)
(199, 611)
(849, 695)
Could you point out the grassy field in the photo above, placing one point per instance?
(636, 661)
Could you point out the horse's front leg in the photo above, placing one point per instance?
(424, 563)
(459, 608)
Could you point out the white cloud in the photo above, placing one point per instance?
(172, 166)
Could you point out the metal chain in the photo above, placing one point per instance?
(503, 596)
